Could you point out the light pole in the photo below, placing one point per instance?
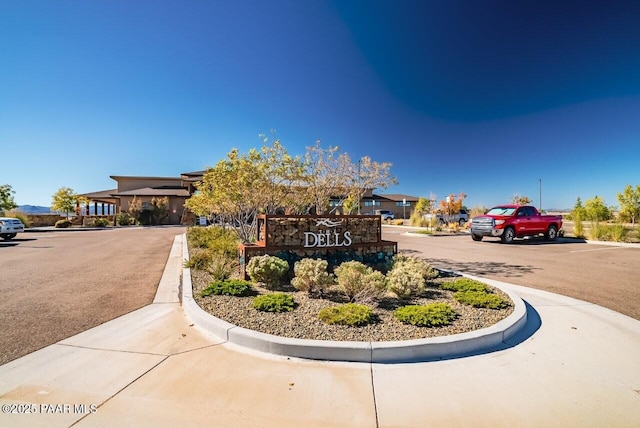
(540, 187)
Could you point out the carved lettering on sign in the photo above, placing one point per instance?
(327, 238)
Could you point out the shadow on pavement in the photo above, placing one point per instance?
(483, 268)
(528, 330)
(536, 241)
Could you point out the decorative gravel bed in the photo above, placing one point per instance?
(303, 322)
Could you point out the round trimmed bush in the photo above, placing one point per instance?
(101, 222)
(229, 287)
(431, 315)
(465, 284)
(63, 224)
(269, 270)
(312, 276)
(351, 314)
(359, 282)
(274, 302)
(480, 299)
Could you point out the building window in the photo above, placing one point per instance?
(371, 203)
(399, 204)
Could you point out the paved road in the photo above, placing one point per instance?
(604, 275)
(57, 284)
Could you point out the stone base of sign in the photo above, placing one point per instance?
(378, 256)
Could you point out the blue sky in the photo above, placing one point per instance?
(484, 98)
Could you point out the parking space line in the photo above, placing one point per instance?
(596, 249)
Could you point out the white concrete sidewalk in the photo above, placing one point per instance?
(577, 365)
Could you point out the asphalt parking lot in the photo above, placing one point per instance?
(600, 274)
(58, 284)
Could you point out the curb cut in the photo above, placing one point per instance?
(417, 350)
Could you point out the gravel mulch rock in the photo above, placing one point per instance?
(303, 322)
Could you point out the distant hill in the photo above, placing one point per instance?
(34, 209)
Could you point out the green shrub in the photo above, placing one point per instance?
(220, 267)
(480, 299)
(220, 240)
(23, 218)
(351, 314)
(360, 283)
(431, 315)
(125, 219)
(578, 227)
(231, 287)
(312, 276)
(617, 232)
(199, 259)
(408, 276)
(275, 302)
(598, 232)
(101, 222)
(465, 284)
(63, 224)
(269, 270)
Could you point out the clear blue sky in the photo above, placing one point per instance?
(479, 97)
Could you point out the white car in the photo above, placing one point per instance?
(9, 227)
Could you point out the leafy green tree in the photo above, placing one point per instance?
(630, 202)
(231, 189)
(6, 198)
(65, 200)
(597, 210)
(423, 206)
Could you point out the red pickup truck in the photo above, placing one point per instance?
(515, 221)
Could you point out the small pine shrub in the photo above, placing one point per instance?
(312, 276)
(231, 287)
(63, 224)
(101, 222)
(432, 315)
(351, 314)
(269, 270)
(480, 299)
(360, 283)
(275, 302)
(220, 267)
(465, 284)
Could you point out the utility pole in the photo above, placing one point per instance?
(540, 186)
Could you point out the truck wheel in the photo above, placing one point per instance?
(552, 233)
(9, 236)
(476, 237)
(461, 222)
(508, 235)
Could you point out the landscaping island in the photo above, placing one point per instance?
(303, 321)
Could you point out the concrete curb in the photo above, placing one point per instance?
(437, 348)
